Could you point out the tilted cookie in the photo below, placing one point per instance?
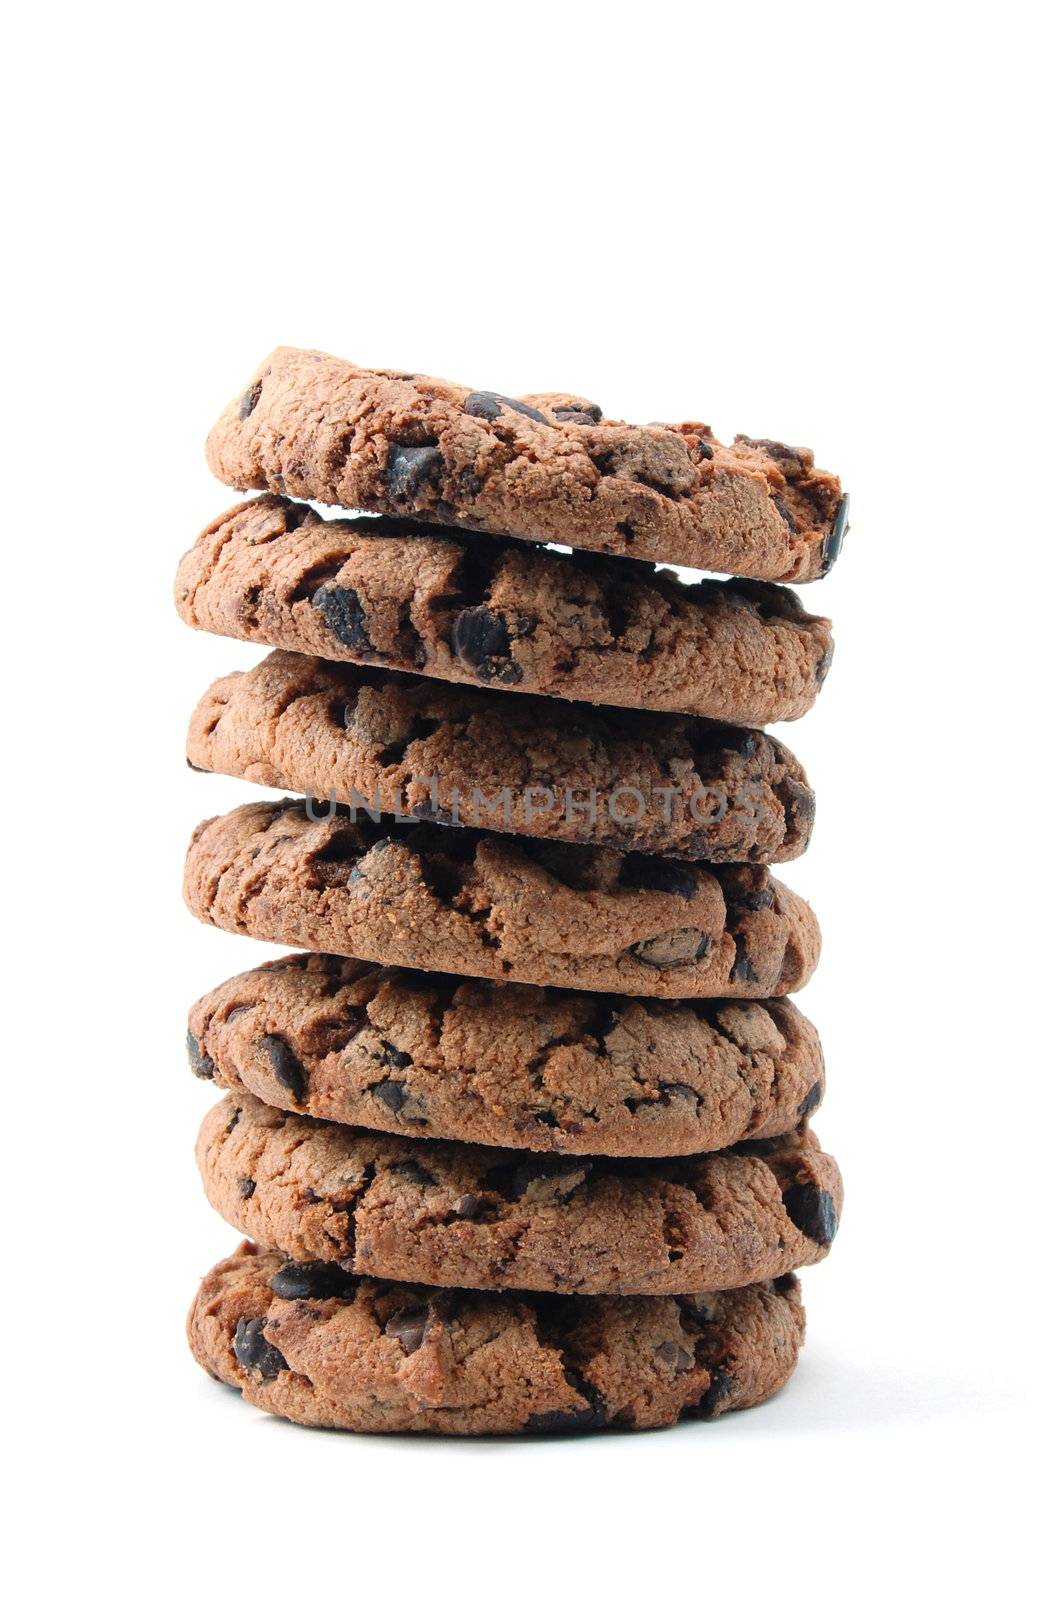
(529, 911)
(309, 1342)
(467, 1216)
(579, 627)
(670, 785)
(433, 1057)
(543, 467)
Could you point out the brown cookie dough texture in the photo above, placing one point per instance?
(466, 901)
(301, 1341)
(487, 1063)
(578, 627)
(545, 467)
(672, 785)
(466, 1216)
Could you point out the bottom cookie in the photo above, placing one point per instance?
(307, 1341)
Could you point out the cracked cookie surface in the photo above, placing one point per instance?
(530, 911)
(578, 627)
(669, 785)
(466, 1216)
(506, 1064)
(301, 1341)
(548, 467)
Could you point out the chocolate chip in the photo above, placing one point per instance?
(829, 550)
(249, 400)
(487, 404)
(785, 1283)
(584, 415)
(743, 969)
(415, 1172)
(390, 1094)
(705, 450)
(198, 1059)
(480, 632)
(594, 1415)
(657, 872)
(812, 1210)
(313, 1280)
(344, 614)
(812, 1099)
(468, 1206)
(480, 639)
(694, 1314)
(245, 1187)
(409, 1327)
(785, 511)
(253, 1350)
(824, 663)
(482, 404)
(412, 468)
(285, 1064)
(742, 896)
(799, 805)
(580, 411)
(388, 1054)
(711, 1401)
(682, 947)
(674, 1356)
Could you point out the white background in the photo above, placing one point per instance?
(831, 224)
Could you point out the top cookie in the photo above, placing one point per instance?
(546, 467)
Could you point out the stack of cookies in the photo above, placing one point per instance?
(521, 1138)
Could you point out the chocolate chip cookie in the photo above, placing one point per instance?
(547, 466)
(482, 904)
(468, 1216)
(403, 595)
(677, 786)
(306, 1341)
(488, 1063)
